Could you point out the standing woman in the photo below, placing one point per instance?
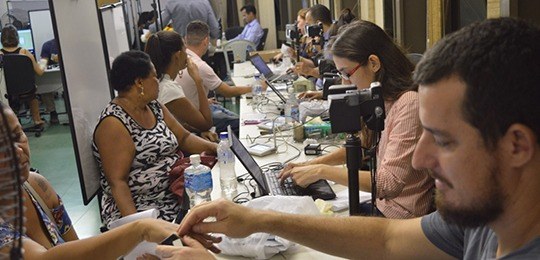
(10, 46)
(364, 53)
(136, 143)
(168, 53)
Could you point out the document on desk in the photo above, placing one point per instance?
(244, 69)
(341, 202)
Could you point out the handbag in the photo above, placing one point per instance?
(176, 175)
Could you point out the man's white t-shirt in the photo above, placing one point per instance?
(169, 90)
(211, 81)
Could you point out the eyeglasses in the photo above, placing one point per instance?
(347, 75)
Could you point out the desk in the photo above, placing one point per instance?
(295, 252)
(50, 81)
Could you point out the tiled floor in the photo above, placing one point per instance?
(53, 155)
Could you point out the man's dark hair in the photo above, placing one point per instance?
(10, 36)
(499, 62)
(128, 67)
(249, 9)
(321, 13)
(196, 32)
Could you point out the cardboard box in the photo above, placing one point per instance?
(266, 54)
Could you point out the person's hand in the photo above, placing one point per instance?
(193, 70)
(191, 250)
(311, 95)
(303, 175)
(232, 219)
(286, 171)
(155, 230)
(210, 136)
(213, 101)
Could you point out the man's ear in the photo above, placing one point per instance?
(519, 145)
(374, 63)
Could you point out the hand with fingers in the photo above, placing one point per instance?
(232, 219)
(192, 249)
(303, 175)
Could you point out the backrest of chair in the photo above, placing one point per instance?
(232, 32)
(262, 43)
(19, 74)
(239, 49)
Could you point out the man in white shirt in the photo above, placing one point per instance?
(252, 31)
(197, 41)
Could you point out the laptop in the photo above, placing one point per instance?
(268, 183)
(263, 68)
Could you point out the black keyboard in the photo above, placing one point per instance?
(287, 188)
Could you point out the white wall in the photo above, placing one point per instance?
(86, 81)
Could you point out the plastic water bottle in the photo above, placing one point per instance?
(198, 181)
(291, 107)
(223, 39)
(256, 92)
(227, 175)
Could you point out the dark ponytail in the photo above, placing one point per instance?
(160, 47)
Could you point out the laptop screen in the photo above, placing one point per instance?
(261, 66)
(249, 163)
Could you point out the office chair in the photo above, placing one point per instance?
(232, 32)
(239, 50)
(20, 84)
(262, 43)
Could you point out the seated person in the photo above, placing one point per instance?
(317, 14)
(303, 39)
(50, 55)
(49, 231)
(481, 144)
(252, 31)
(136, 142)
(10, 43)
(197, 41)
(361, 53)
(168, 54)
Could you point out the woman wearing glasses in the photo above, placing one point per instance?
(364, 53)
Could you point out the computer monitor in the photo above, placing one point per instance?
(25, 40)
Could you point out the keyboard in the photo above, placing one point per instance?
(287, 188)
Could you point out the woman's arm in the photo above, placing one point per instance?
(186, 112)
(109, 245)
(47, 193)
(117, 151)
(204, 106)
(37, 68)
(187, 141)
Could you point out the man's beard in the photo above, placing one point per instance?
(481, 210)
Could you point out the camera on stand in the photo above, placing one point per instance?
(292, 34)
(315, 30)
(347, 111)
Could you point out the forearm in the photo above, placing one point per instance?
(109, 245)
(122, 197)
(204, 107)
(195, 144)
(364, 240)
(234, 91)
(336, 157)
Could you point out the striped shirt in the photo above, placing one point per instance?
(403, 192)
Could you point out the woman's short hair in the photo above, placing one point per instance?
(360, 39)
(10, 36)
(161, 46)
(128, 67)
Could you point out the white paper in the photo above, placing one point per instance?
(341, 201)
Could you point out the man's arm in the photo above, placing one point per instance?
(227, 91)
(350, 237)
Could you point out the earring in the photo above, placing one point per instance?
(142, 91)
